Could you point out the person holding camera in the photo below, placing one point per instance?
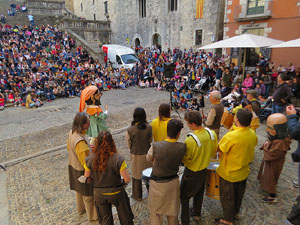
(294, 131)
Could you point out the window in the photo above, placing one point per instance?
(94, 16)
(81, 7)
(255, 7)
(142, 8)
(172, 5)
(118, 60)
(93, 2)
(105, 7)
(198, 37)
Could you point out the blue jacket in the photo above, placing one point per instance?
(294, 131)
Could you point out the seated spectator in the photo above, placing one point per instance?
(18, 100)
(194, 106)
(29, 102)
(189, 96)
(183, 94)
(122, 85)
(175, 101)
(183, 104)
(247, 83)
(37, 101)
(2, 101)
(11, 98)
(262, 100)
(48, 91)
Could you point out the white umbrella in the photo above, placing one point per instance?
(243, 41)
(288, 44)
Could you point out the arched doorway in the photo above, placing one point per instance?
(137, 44)
(156, 40)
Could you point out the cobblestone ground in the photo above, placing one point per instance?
(38, 190)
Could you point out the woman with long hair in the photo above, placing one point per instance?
(139, 138)
(107, 167)
(159, 125)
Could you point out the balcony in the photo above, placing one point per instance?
(243, 13)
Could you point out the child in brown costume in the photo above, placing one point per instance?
(275, 149)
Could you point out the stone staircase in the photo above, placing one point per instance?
(21, 19)
(87, 33)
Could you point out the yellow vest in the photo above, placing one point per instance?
(159, 129)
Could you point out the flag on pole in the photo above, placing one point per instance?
(199, 9)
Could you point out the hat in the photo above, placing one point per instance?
(252, 92)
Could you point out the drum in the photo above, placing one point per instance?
(213, 181)
(146, 174)
(227, 119)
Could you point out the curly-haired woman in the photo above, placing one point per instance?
(107, 167)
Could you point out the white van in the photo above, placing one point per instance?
(120, 56)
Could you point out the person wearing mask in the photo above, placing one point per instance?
(138, 138)
(159, 125)
(201, 147)
(164, 190)
(107, 167)
(274, 150)
(78, 150)
(236, 151)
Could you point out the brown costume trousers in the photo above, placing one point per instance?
(104, 208)
(137, 191)
(192, 185)
(86, 203)
(231, 195)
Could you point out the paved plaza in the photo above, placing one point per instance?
(37, 189)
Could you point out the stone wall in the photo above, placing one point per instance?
(94, 32)
(38, 7)
(176, 29)
(88, 9)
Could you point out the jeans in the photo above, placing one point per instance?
(277, 108)
(50, 97)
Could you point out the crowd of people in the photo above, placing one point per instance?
(44, 63)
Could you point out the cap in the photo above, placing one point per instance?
(252, 92)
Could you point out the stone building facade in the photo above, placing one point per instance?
(168, 23)
(88, 9)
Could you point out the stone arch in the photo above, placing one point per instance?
(137, 42)
(156, 39)
(139, 37)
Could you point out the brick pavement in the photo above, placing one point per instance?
(38, 191)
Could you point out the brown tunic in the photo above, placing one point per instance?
(75, 168)
(164, 194)
(139, 141)
(109, 180)
(272, 163)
